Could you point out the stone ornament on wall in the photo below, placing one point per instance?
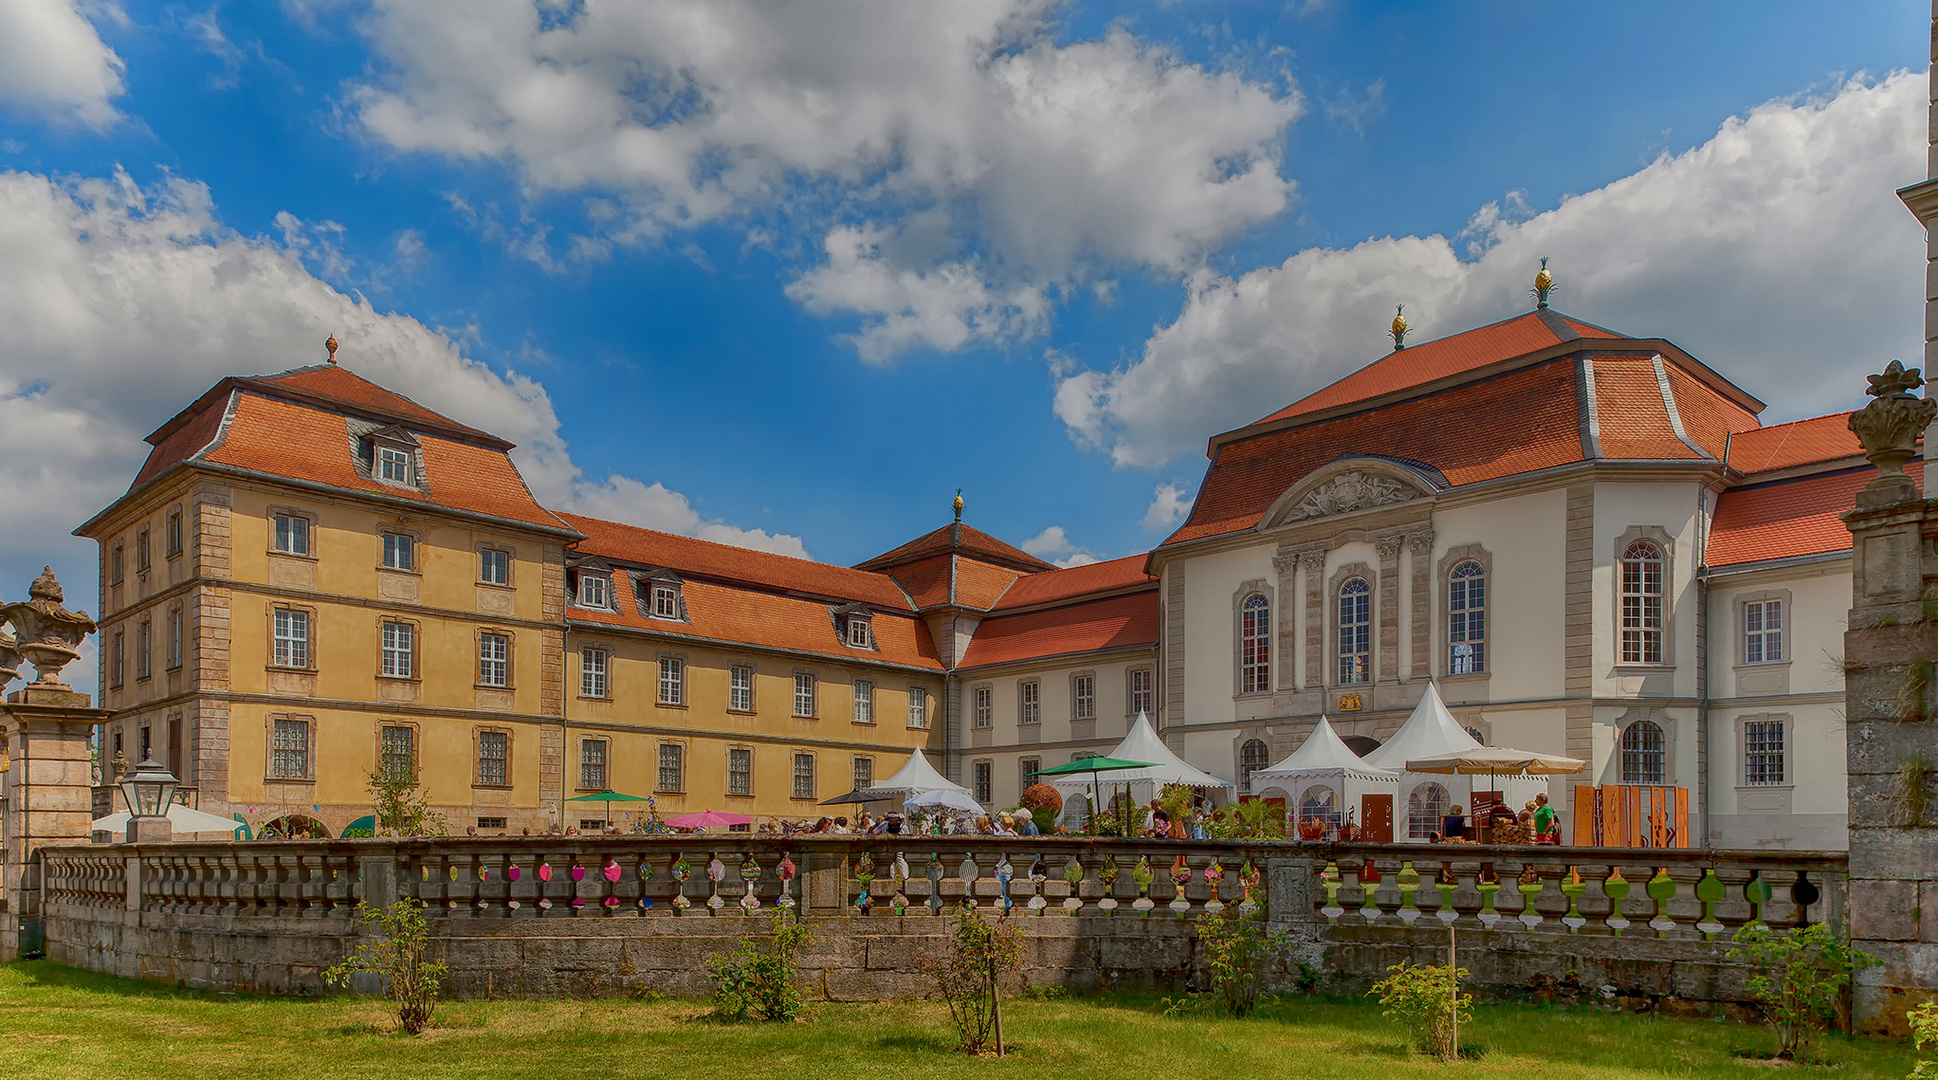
(1890, 425)
(48, 635)
(1348, 492)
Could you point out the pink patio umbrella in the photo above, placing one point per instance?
(707, 819)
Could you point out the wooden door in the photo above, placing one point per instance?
(1376, 819)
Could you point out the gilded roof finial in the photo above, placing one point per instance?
(331, 346)
(958, 506)
(1543, 284)
(1399, 327)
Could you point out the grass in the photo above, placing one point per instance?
(56, 1023)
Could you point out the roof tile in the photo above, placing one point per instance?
(956, 537)
(649, 547)
(1800, 442)
(1055, 585)
(1634, 423)
(1786, 518)
(1112, 623)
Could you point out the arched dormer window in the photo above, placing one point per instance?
(1255, 645)
(1641, 603)
(1644, 753)
(1355, 632)
(1467, 619)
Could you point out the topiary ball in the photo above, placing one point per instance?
(1043, 795)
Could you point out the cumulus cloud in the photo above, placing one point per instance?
(973, 163)
(1169, 504)
(652, 506)
(1054, 545)
(55, 66)
(123, 303)
(1775, 251)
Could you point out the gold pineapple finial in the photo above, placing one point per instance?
(958, 505)
(331, 346)
(1543, 284)
(1399, 327)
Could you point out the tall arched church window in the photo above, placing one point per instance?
(1467, 619)
(1252, 756)
(1642, 604)
(1426, 810)
(1255, 646)
(1355, 632)
(1643, 753)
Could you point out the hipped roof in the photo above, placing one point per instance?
(1142, 744)
(1323, 752)
(1430, 730)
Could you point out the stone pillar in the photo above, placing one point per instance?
(1891, 738)
(1285, 566)
(1419, 553)
(1314, 565)
(48, 792)
(1387, 656)
(1922, 200)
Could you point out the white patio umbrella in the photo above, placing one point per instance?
(185, 819)
(1494, 760)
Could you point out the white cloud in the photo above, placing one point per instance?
(1053, 545)
(1169, 504)
(954, 162)
(122, 304)
(622, 498)
(1776, 252)
(54, 65)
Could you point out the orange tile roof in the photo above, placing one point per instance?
(1710, 418)
(926, 581)
(1634, 423)
(720, 612)
(1799, 442)
(956, 537)
(1112, 623)
(183, 443)
(686, 555)
(1055, 585)
(980, 584)
(1416, 365)
(338, 385)
(1786, 518)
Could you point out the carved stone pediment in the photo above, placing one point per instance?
(1348, 492)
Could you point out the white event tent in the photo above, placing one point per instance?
(1430, 732)
(915, 777)
(1324, 779)
(1142, 744)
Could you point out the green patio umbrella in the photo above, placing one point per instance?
(608, 797)
(1093, 766)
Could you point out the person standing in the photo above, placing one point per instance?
(1547, 823)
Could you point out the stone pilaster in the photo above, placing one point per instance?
(1285, 566)
(1387, 657)
(1314, 565)
(1419, 553)
(48, 788)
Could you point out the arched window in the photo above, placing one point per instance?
(1255, 645)
(1642, 753)
(1467, 619)
(1317, 804)
(1642, 604)
(1477, 735)
(1426, 810)
(1251, 756)
(1355, 632)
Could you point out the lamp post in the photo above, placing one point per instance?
(149, 790)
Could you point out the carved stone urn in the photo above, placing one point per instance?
(48, 635)
(9, 659)
(1890, 425)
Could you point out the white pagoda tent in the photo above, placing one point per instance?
(1429, 732)
(1142, 744)
(915, 777)
(1323, 779)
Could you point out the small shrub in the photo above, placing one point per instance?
(1254, 819)
(1799, 977)
(1924, 1033)
(1236, 946)
(983, 954)
(761, 977)
(402, 807)
(399, 951)
(1427, 1001)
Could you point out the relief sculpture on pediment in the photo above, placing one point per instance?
(1347, 492)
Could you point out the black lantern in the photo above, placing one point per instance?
(149, 789)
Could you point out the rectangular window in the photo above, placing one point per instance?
(1642, 609)
(494, 757)
(292, 534)
(491, 823)
(1141, 691)
(292, 638)
(289, 757)
(1027, 767)
(740, 771)
(803, 695)
(1763, 752)
(141, 551)
(804, 776)
(393, 465)
(672, 682)
(985, 706)
(864, 701)
(117, 664)
(494, 660)
(115, 565)
(1084, 694)
(666, 602)
(918, 707)
(175, 638)
(399, 552)
(1763, 632)
(592, 672)
(398, 751)
(985, 773)
(1030, 701)
(400, 641)
(672, 767)
(857, 631)
(740, 688)
(144, 641)
(494, 567)
(864, 772)
(175, 533)
(595, 591)
(592, 764)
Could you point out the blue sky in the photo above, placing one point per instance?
(803, 281)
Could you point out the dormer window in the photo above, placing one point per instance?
(386, 454)
(858, 631)
(659, 595)
(595, 590)
(666, 601)
(852, 622)
(393, 465)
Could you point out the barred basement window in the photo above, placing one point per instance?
(1643, 754)
(494, 757)
(740, 772)
(290, 754)
(1763, 752)
(672, 767)
(491, 823)
(397, 754)
(804, 776)
(592, 764)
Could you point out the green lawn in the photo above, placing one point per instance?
(56, 1022)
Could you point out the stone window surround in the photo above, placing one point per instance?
(976, 721)
(659, 748)
(118, 658)
(864, 688)
(598, 647)
(118, 563)
(1130, 692)
(1075, 715)
(144, 552)
(270, 515)
(511, 657)
(579, 773)
(1783, 636)
(270, 619)
(416, 544)
(1238, 746)
(1660, 718)
(1022, 710)
(176, 534)
(919, 693)
(1330, 602)
(814, 691)
(1445, 568)
(511, 564)
(753, 686)
(857, 759)
(478, 732)
(659, 681)
(727, 762)
(983, 763)
(1026, 770)
(416, 647)
(145, 648)
(814, 774)
(416, 743)
(269, 748)
(1247, 590)
(175, 647)
(1741, 731)
(577, 592)
(1666, 545)
(644, 585)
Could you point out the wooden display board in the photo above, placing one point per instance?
(1631, 815)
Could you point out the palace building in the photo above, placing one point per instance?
(1584, 539)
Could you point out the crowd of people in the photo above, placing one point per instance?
(1537, 823)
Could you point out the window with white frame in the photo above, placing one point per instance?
(400, 650)
(803, 694)
(175, 637)
(803, 776)
(672, 767)
(858, 631)
(1763, 752)
(592, 672)
(1644, 753)
(144, 647)
(864, 701)
(666, 601)
(1763, 632)
(400, 551)
(592, 764)
(1252, 756)
(864, 772)
(1642, 604)
(1426, 811)
(985, 777)
(740, 688)
(1083, 695)
(672, 681)
(292, 534)
(494, 660)
(397, 751)
(985, 706)
(289, 755)
(740, 771)
(394, 465)
(1255, 645)
(494, 567)
(494, 758)
(918, 707)
(595, 590)
(1142, 691)
(1467, 619)
(292, 638)
(1029, 703)
(1355, 632)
